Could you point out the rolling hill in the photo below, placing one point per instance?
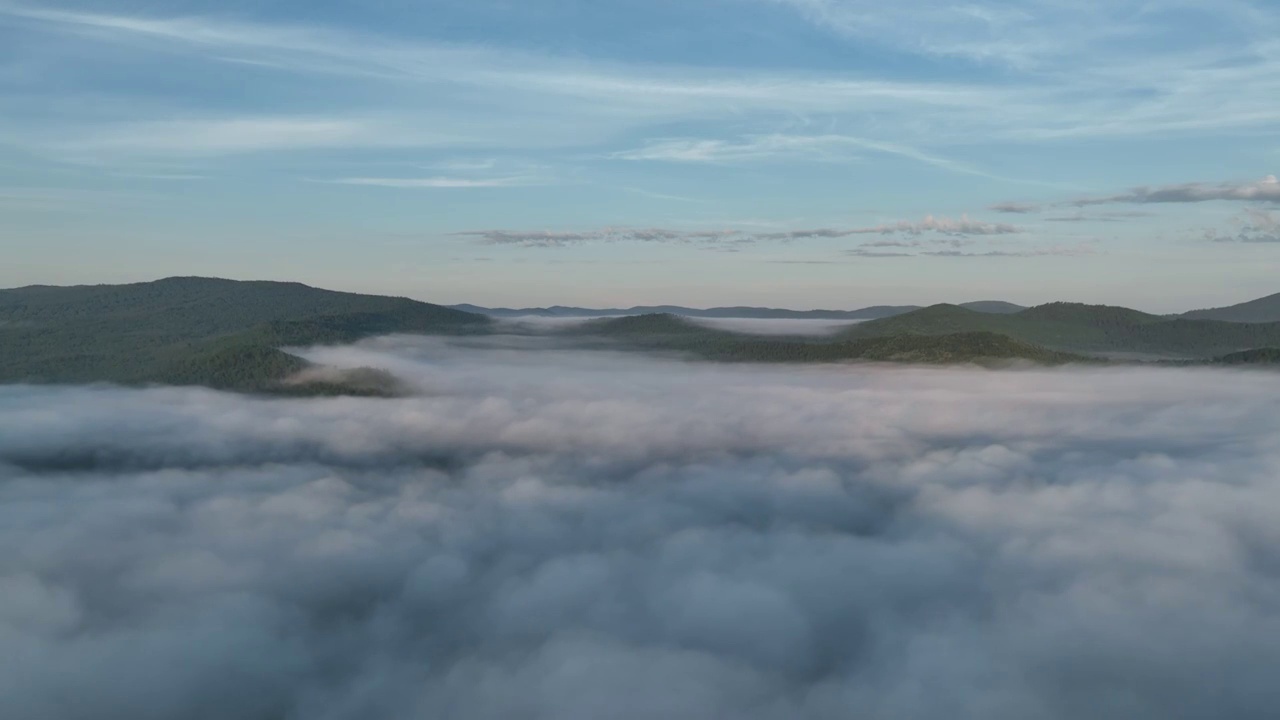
(734, 312)
(189, 330)
(1262, 310)
(1073, 327)
(228, 334)
(671, 333)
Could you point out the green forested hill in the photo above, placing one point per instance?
(1262, 310)
(1258, 356)
(1073, 327)
(228, 334)
(999, 307)
(675, 334)
(221, 333)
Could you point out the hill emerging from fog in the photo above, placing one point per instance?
(1049, 334)
(672, 333)
(735, 312)
(232, 335)
(1078, 328)
(199, 331)
(1262, 310)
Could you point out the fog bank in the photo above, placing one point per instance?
(552, 534)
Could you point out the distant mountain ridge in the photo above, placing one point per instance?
(1262, 310)
(873, 312)
(672, 333)
(1076, 327)
(231, 335)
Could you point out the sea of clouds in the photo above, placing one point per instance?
(543, 533)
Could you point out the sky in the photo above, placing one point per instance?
(797, 153)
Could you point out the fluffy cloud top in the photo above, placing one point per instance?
(548, 534)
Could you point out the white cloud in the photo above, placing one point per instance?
(820, 148)
(1256, 225)
(545, 534)
(232, 135)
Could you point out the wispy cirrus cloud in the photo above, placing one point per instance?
(321, 50)
(815, 148)
(438, 182)
(542, 90)
(1032, 34)
(203, 137)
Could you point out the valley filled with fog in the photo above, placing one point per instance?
(540, 532)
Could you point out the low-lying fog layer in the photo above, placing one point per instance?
(780, 326)
(543, 534)
(748, 326)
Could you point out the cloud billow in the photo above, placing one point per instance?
(554, 534)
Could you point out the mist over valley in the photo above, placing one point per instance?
(539, 530)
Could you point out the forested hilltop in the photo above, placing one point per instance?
(671, 333)
(1092, 329)
(189, 330)
(228, 334)
(1047, 334)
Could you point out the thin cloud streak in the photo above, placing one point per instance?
(1265, 190)
(778, 147)
(248, 134)
(555, 239)
(614, 96)
(871, 250)
(962, 226)
(1015, 207)
(437, 182)
(944, 225)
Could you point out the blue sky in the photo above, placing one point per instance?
(801, 153)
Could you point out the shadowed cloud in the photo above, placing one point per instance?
(552, 534)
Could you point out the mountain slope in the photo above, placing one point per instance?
(1262, 310)
(998, 307)
(1073, 327)
(671, 333)
(221, 333)
(735, 312)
